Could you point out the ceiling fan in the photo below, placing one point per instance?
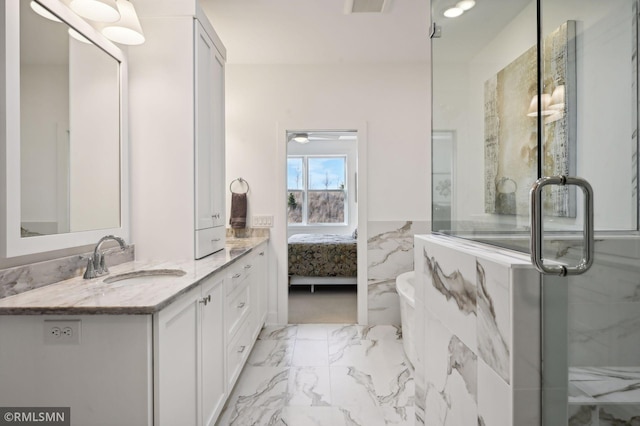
(306, 137)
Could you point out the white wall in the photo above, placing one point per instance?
(94, 119)
(44, 89)
(391, 100)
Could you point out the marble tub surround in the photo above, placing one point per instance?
(477, 311)
(325, 375)
(23, 278)
(79, 296)
(389, 253)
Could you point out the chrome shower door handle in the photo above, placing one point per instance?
(535, 195)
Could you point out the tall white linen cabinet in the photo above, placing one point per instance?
(177, 135)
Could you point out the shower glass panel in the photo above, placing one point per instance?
(484, 78)
(524, 89)
(591, 322)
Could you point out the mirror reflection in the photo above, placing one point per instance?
(69, 130)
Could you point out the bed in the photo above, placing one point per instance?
(322, 259)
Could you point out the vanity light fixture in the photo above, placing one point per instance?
(76, 35)
(128, 29)
(96, 10)
(544, 111)
(557, 98)
(37, 8)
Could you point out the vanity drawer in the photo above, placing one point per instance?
(237, 353)
(210, 240)
(237, 310)
(237, 277)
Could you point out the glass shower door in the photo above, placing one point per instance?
(588, 122)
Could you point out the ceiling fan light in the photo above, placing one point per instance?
(301, 138)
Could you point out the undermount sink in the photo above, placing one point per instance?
(145, 275)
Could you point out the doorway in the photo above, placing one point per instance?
(322, 223)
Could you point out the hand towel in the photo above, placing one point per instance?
(238, 217)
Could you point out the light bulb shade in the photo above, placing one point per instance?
(544, 110)
(76, 35)
(42, 11)
(557, 98)
(128, 29)
(466, 4)
(96, 10)
(453, 12)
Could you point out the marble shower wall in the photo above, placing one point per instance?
(389, 254)
(477, 310)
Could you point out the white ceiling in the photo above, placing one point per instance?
(318, 31)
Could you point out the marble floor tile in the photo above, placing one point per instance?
(309, 386)
(310, 353)
(271, 353)
(312, 331)
(324, 375)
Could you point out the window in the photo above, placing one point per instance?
(316, 189)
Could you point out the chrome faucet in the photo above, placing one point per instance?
(96, 265)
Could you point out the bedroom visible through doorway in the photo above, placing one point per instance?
(321, 196)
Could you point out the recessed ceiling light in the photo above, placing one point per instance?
(466, 4)
(453, 12)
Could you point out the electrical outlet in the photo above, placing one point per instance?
(62, 332)
(262, 221)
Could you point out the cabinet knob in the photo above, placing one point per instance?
(237, 275)
(261, 253)
(241, 349)
(247, 266)
(241, 305)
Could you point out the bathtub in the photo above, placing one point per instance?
(405, 286)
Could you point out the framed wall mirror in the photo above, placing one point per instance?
(65, 135)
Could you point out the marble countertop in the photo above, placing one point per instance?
(77, 296)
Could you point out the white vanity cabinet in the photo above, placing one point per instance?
(168, 366)
(189, 372)
(178, 164)
(245, 308)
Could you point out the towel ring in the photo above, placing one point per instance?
(240, 181)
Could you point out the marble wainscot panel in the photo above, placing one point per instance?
(23, 278)
(389, 254)
(478, 334)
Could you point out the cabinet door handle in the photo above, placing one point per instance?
(205, 300)
(237, 275)
(247, 266)
(241, 305)
(261, 253)
(216, 216)
(215, 240)
(241, 349)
